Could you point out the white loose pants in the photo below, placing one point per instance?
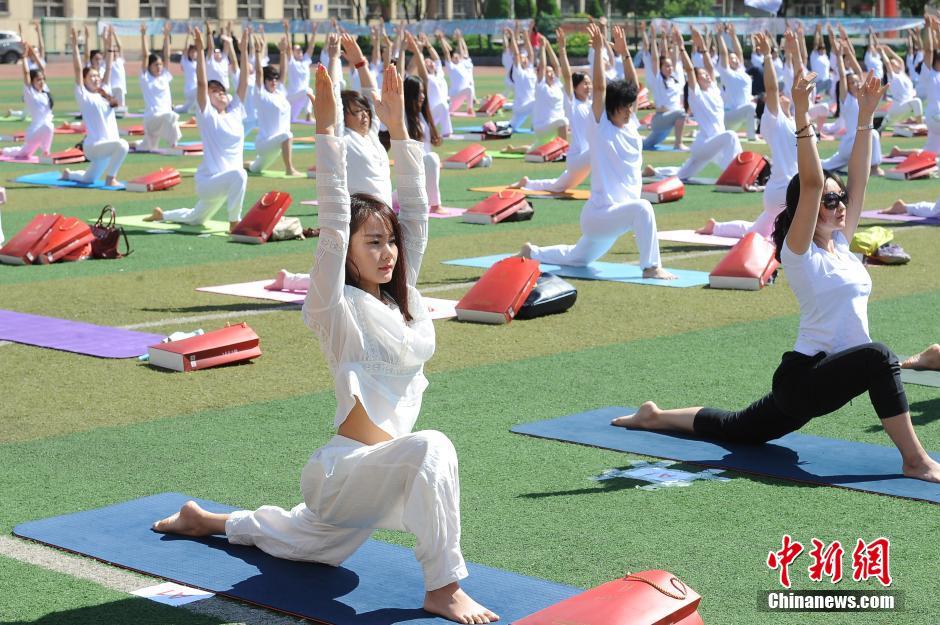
(432, 178)
(933, 134)
(441, 116)
(105, 158)
(406, 484)
(164, 126)
(577, 170)
(227, 187)
(189, 103)
(268, 151)
(520, 112)
(720, 149)
(840, 160)
(775, 201)
(299, 104)
(458, 99)
(600, 229)
(37, 139)
(742, 116)
(902, 110)
(924, 209)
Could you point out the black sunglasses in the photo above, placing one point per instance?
(831, 199)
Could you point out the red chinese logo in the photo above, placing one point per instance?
(826, 561)
(871, 560)
(783, 558)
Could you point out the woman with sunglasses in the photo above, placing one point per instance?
(834, 359)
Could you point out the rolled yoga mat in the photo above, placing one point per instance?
(74, 336)
(380, 584)
(795, 457)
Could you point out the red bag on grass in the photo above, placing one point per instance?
(69, 239)
(499, 294)
(492, 104)
(220, 347)
(748, 266)
(467, 158)
(920, 165)
(257, 225)
(163, 178)
(547, 152)
(108, 237)
(24, 247)
(71, 155)
(747, 172)
(496, 208)
(668, 190)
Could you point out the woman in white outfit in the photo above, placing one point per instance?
(460, 70)
(930, 78)
(712, 144)
(548, 110)
(437, 88)
(419, 120)
(160, 121)
(904, 101)
(188, 68)
(523, 80)
(369, 317)
(667, 87)
(220, 177)
(103, 146)
(874, 62)
(849, 85)
(118, 73)
(778, 129)
(298, 78)
(615, 206)
(735, 85)
(38, 103)
(273, 111)
(577, 87)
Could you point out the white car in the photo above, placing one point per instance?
(11, 47)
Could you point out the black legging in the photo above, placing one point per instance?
(805, 387)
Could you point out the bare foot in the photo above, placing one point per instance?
(519, 183)
(191, 520)
(454, 604)
(927, 359)
(278, 284)
(526, 250)
(708, 228)
(232, 225)
(928, 470)
(292, 172)
(877, 171)
(649, 171)
(155, 215)
(681, 147)
(658, 273)
(646, 418)
(896, 151)
(65, 174)
(898, 208)
(111, 181)
(437, 209)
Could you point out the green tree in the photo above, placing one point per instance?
(496, 8)
(525, 9)
(594, 8)
(547, 7)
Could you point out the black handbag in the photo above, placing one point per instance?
(551, 295)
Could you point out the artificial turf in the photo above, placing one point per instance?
(80, 432)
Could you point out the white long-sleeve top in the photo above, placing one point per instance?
(373, 353)
(366, 158)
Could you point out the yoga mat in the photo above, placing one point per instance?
(690, 236)
(478, 129)
(797, 457)
(665, 148)
(446, 211)
(215, 228)
(438, 308)
(613, 272)
(267, 173)
(573, 194)
(250, 146)
(32, 160)
(74, 336)
(922, 378)
(927, 221)
(508, 155)
(892, 160)
(380, 584)
(51, 179)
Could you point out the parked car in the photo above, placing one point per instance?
(11, 47)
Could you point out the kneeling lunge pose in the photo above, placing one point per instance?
(160, 120)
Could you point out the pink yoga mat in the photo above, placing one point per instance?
(901, 218)
(438, 308)
(447, 211)
(74, 336)
(32, 160)
(689, 236)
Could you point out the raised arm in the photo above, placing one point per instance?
(722, 51)
(167, 26)
(599, 79)
(189, 34)
(259, 74)
(707, 57)
(817, 35)
(565, 68)
(850, 60)
(87, 58)
(736, 43)
(144, 48)
(40, 44)
(654, 51)
(28, 53)
(540, 66)
(445, 45)
(629, 72)
(355, 58)
(76, 59)
(800, 235)
(426, 45)
(243, 73)
(840, 62)
(376, 48)
(462, 45)
(552, 57)
(869, 96)
(771, 91)
(202, 82)
(311, 46)
(108, 60)
(528, 48)
(418, 59)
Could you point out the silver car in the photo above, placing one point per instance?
(11, 47)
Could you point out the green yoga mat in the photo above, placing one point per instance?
(136, 222)
(498, 154)
(264, 174)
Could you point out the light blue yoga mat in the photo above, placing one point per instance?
(520, 131)
(51, 179)
(381, 584)
(250, 146)
(797, 457)
(613, 272)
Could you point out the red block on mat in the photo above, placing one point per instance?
(496, 208)
(134, 131)
(257, 225)
(920, 165)
(669, 190)
(163, 178)
(25, 246)
(68, 239)
(748, 266)
(499, 294)
(71, 155)
(747, 172)
(644, 598)
(547, 152)
(194, 149)
(469, 157)
(212, 349)
(492, 104)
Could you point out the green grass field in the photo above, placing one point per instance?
(79, 432)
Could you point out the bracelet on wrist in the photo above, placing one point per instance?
(360, 64)
(866, 127)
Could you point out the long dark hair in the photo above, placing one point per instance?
(785, 218)
(413, 113)
(577, 78)
(363, 206)
(33, 75)
(349, 97)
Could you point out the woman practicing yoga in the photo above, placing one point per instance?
(160, 121)
(273, 111)
(376, 336)
(834, 359)
(615, 206)
(667, 86)
(103, 146)
(39, 104)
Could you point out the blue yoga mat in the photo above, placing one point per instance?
(797, 457)
(614, 272)
(250, 146)
(515, 131)
(380, 584)
(51, 179)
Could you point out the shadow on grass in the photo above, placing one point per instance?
(224, 307)
(131, 611)
(922, 413)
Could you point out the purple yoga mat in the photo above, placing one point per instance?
(908, 218)
(74, 336)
